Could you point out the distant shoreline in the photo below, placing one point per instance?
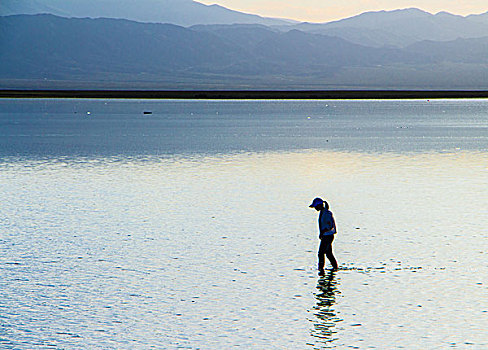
(244, 95)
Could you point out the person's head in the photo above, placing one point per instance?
(319, 204)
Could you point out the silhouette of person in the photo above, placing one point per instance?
(327, 229)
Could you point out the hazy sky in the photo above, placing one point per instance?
(327, 10)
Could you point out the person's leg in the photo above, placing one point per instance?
(321, 255)
(328, 251)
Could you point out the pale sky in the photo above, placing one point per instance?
(329, 10)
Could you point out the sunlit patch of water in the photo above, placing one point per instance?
(207, 251)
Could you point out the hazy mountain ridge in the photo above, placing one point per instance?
(400, 27)
(46, 47)
(180, 12)
(63, 46)
(132, 43)
(472, 50)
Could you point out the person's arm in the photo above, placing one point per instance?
(333, 223)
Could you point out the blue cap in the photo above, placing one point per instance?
(317, 201)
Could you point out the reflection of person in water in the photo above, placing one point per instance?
(327, 228)
(326, 317)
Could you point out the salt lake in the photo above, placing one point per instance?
(188, 227)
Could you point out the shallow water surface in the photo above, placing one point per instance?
(107, 244)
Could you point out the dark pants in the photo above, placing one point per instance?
(325, 248)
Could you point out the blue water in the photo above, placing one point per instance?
(113, 127)
(189, 228)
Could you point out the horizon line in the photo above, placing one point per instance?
(245, 94)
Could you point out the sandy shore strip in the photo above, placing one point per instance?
(251, 94)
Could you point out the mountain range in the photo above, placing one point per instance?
(179, 12)
(404, 49)
(401, 27)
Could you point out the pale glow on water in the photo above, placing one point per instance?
(211, 251)
(215, 251)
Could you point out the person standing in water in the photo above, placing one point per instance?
(327, 229)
